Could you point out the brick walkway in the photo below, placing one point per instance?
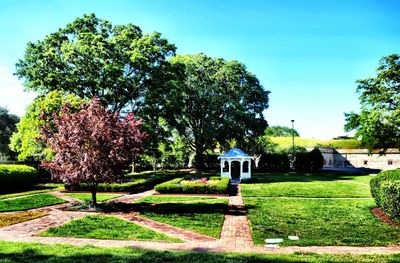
(235, 234)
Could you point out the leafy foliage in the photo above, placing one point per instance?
(92, 58)
(384, 176)
(309, 161)
(16, 176)
(25, 141)
(273, 162)
(8, 124)
(378, 123)
(280, 131)
(216, 101)
(92, 145)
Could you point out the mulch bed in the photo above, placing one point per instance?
(379, 213)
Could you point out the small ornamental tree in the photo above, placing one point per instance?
(91, 146)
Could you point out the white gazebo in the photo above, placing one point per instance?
(238, 162)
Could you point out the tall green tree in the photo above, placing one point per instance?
(92, 58)
(378, 122)
(119, 64)
(216, 101)
(24, 140)
(8, 124)
(280, 131)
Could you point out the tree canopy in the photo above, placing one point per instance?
(8, 124)
(216, 101)
(378, 122)
(280, 131)
(92, 58)
(92, 145)
(24, 140)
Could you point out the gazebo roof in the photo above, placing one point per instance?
(235, 153)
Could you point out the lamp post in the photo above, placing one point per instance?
(292, 159)
(292, 135)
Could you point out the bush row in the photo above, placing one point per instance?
(174, 186)
(15, 176)
(380, 186)
(309, 161)
(139, 183)
(273, 162)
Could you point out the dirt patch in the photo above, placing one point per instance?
(379, 213)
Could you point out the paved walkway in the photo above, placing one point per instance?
(235, 234)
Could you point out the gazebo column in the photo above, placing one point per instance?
(249, 166)
(222, 166)
(241, 169)
(230, 173)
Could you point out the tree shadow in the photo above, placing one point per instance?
(92, 254)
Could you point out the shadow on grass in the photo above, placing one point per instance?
(161, 208)
(136, 255)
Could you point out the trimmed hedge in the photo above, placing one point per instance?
(390, 198)
(174, 186)
(139, 183)
(375, 183)
(273, 162)
(309, 161)
(15, 176)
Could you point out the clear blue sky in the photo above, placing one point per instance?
(308, 53)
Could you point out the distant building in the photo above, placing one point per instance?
(360, 158)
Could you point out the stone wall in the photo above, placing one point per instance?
(360, 158)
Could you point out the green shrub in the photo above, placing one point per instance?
(309, 161)
(273, 162)
(375, 183)
(140, 182)
(175, 186)
(16, 176)
(390, 198)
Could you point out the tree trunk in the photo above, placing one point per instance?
(94, 199)
(133, 166)
(199, 159)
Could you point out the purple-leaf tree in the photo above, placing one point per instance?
(91, 146)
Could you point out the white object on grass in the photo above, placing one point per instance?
(293, 238)
(273, 240)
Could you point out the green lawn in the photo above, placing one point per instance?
(322, 209)
(155, 199)
(106, 227)
(30, 252)
(204, 217)
(37, 190)
(286, 142)
(319, 222)
(29, 202)
(88, 196)
(308, 185)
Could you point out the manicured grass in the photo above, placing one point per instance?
(155, 199)
(88, 197)
(29, 202)
(28, 252)
(106, 227)
(308, 185)
(15, 218)
(204, 217)
(286, 142)
(37, 190)
(319, 222)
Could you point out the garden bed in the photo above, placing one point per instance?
(204, 185)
